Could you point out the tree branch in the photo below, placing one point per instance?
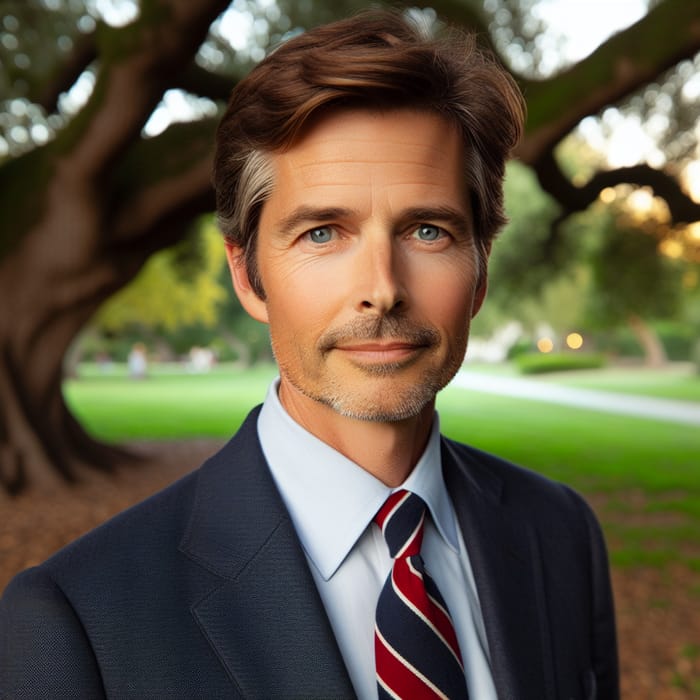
(83, 54)
(628, 61)
(163, 174)
(204, 83)
(138, 62)
(573, 199)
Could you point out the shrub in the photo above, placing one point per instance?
(678, 340)
(619, 342)
(538, 363)
(523, 346)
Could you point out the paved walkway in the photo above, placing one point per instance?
(661, 409)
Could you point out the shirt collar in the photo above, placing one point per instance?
(331, 499)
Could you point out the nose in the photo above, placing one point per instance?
(379, 275)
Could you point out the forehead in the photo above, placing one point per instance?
(364, 148)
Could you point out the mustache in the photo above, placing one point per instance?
(381, 328)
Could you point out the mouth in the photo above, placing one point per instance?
(380, 343)
(381, 352)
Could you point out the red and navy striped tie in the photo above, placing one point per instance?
(416, 651)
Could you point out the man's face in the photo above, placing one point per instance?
(366, 255)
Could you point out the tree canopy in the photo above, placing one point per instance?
(95, 177)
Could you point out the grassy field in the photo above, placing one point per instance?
(676, 382)
(643, 475)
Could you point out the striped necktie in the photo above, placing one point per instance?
(416, 651)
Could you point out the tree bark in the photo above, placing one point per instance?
(37, 432)
(654, 351)
(89, 210)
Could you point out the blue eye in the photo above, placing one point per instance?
(428, 232)
(323, 234)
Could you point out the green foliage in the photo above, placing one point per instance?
(678, 339)
(540, 363)
(629, 275)
(182, 298)
(34, 42)
(517, 267)
(524, 346)
(176, 287)
(616, 342)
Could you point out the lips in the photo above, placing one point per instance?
(393, 346)
(393, 353)
(386, 334)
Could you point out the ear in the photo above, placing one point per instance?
(250, 301)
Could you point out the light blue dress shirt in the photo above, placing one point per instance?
(332, 502)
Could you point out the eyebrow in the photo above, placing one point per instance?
(306, 215)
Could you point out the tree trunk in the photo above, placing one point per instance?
(654, 351)
(87, 210)
(54, 288)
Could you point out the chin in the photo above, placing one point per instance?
(400, 406)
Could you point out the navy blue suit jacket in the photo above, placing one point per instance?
(203, 591)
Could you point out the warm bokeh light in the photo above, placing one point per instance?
(574, 341)
(641, 199)
(608, 195)
(545, 345)
(671, 248)
(644, 206)
(692, 179)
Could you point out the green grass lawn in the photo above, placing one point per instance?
(169, 404)
(642, 475)
(636, 470)
(680, 381)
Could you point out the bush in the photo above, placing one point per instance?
(678, 340)
(619, 342)
(696, 356)
(538, 363)
(523, 346)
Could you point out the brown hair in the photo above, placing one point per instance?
(380, 59)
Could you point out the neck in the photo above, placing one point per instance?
(387, 450)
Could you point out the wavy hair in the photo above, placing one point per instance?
(378, 59)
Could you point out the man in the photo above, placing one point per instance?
(359, 185)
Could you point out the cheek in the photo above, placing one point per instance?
(304, 280)
(308, 298)
(297, 317)
(445, 294)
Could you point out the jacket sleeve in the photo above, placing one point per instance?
(44, 650)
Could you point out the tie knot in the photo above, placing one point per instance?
(401, 521)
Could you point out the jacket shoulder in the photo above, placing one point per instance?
(524, 492)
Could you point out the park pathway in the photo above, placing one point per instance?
(606, 401)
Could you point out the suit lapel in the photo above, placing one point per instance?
(504, 556)
(266, 620)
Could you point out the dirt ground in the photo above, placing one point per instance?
(658, 609)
